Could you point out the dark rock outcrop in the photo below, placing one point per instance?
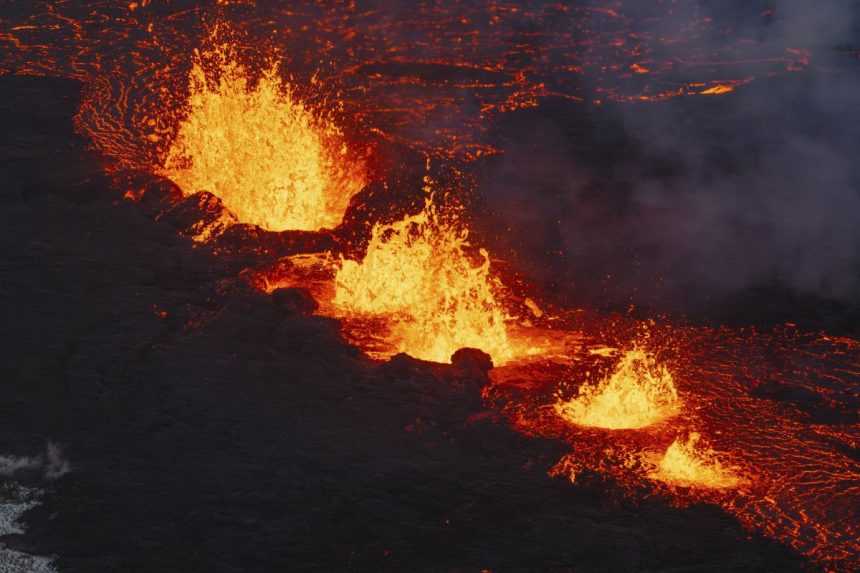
(294, 300)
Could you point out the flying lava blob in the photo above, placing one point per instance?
(685, 463)
(638, 393)
(418, 271)
(272, 160)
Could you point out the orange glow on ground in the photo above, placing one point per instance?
(271, 160)
(419, 272)
(686, 463)
(638, 393)
(719, 89)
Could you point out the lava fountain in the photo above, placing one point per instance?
(439, 295)
(638, 393)
(685, 463)
(784, 405)
(273, 161)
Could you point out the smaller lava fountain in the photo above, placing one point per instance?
(638, 393)
(687, 464)
(421, 273)
(271, 160)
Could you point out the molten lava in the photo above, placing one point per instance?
(418, 271)
(798, 431)
(687, 464)
(271, 160)
(638, 393)
(783, 404)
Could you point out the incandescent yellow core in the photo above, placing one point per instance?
(271, 160)
(686, 464)
(637, 393)
(417, 272)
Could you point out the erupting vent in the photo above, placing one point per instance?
(685, 463)
(271, 160)
(419, 272)
(638, 393)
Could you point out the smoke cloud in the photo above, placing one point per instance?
(685, 202)
(51, 464)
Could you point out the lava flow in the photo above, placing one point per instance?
(435, 81)
(768, 429)
(777, 411)
(271, 160)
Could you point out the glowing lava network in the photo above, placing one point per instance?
(276, 154)
(766, 463)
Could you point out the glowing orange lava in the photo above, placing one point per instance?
(270, 159)
(784, 404)
(686, 463)
(638, 393)
(779, 465)
(719, 89)
(418, 271)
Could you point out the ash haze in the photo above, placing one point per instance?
(688, 202)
